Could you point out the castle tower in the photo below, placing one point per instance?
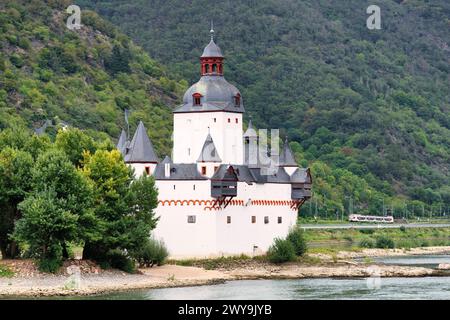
(210, 106)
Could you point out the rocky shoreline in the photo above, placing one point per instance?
(92, 281)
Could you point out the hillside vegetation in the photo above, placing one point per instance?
(369, 110)
(85, 77)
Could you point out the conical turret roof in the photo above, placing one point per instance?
(141, 148)
(250, 132)
(209, 151)
(121, 144)
(287, 157)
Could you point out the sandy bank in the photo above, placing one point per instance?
(177, 276)
(92, 281)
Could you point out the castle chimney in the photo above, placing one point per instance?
(167, 170)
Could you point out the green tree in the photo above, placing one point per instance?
(15, 183)
(124, 208)
(74, 143)
(60, 194)
(45, 225)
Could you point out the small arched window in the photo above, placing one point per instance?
(197, 99)
(214, 67)
(206, 68)
(237, 100)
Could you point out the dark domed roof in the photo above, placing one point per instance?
(217, 94)
(212, 50)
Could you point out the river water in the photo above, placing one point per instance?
(369, 288)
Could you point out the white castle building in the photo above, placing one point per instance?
(213, 198)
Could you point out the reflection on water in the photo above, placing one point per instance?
(391, 288)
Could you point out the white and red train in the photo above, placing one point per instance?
(377, 219)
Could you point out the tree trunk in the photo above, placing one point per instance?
(65, 253)
(88, 251)
(12, 251)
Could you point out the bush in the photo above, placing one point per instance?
(152, 253)
(16, 60)
(404, 244)
(385, 243)
(281, 251)
(367, 243)
(366, 231)
(52, 260)
(297, 238)
(402, 228)
(116, 258)
(50, 265)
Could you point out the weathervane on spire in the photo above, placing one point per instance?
(212, 31)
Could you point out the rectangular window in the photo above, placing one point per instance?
(253, 219)
(189, 151)
(280, 220)
(266, 220)
(203, 170)
(191, 219)
(173, 187)
(215, 169)
(194, 186)
(228, 219)
(229, 120)
(147, 170)
(215, 120)
(237, 121)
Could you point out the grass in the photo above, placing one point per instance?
(213, 263)
(5, 272)
(403, 238)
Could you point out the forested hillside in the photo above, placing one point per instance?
(86, 77)
(369, 110)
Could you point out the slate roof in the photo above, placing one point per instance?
(212, 50)
(167, 159)
(287, 157)
(250, 132)
(140, 148)
(217, 95)
(301, 175)
(182, 171)
(122, 143)
(209, 152)
(252, 175)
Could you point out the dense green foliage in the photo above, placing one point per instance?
(282, 250)
(123, 207)
(52, 199)
(154, 252)
(369, 110)
(85, 77)
(371, 238)
(384, 243)
(296, 237)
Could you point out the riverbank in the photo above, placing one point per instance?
(31, 283)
